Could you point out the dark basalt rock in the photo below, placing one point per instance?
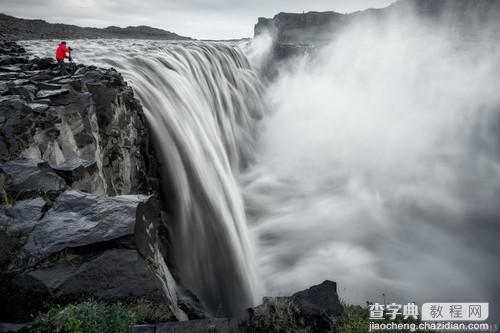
(91, 116)
(316, 309)
(83, 246)
(51, 93)
(59, 136)
(78, 219)
(22, 215)
(30, 178)
(38, 107)
(16, 222)
(79, 174)
(318, 299)
(10, 68)
(15, 126)
(116, 274)
(190, 304)
(48, 86)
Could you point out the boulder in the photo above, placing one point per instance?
(316, 309)
(78, 219)
(30, 178)
(114, 275)
(82, 246)
(110, 275)
(82, 175)
(22, 215)
(319, 299)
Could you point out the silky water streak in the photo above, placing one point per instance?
(202, 102)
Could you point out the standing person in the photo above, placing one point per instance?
(62, 52)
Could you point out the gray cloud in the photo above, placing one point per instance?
(196, 18)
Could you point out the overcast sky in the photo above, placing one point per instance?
(216, 19)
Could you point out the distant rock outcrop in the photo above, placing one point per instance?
(14, 28)
(295, 34)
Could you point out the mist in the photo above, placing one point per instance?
(379, 167)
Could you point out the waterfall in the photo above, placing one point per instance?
(202, 101)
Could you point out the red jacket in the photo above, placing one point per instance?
(61, 52)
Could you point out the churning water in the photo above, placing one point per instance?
(378, 165)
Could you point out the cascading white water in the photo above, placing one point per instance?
(202, 101)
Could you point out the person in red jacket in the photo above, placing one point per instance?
(62, 53)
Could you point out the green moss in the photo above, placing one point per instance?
(85, 317)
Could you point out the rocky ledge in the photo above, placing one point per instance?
(88, 127)
(79, 215)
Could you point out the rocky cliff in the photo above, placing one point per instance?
(295, 34)
(79, 215)
(14, 28)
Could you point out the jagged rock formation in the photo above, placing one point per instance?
(14, 28)
(89, 128)
(79, 215)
